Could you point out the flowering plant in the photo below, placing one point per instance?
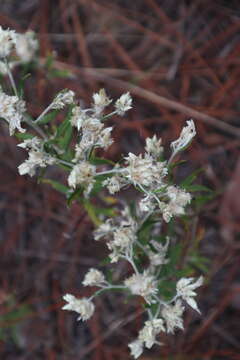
(136, 233)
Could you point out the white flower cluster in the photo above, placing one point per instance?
(93, 135)
(121, 235)
(171, 317)
(12, 109)
(94, 277)
(147, 172)
(16, 48)
(37, 157)
(84, 307)
(65, 97)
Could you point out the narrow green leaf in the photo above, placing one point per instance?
(56, 185)
(49, 117)
(24, 136)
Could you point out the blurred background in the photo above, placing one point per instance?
(179, 60)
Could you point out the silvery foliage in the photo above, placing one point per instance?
(146, 172)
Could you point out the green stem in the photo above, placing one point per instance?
(11, 77)
(113, 287)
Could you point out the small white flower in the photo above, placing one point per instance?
(104, 139)
(103, 230)
(123, 237)
(143, 171)
(146, 204)
(65, 97)
(136, 348)
(114, 184)
(144, 285)
(172, 315)
(78, 117)
(178, 196)
(28, 144)
(149, 332)
(7, 42)
(185, 287)
(100, 101)
(83, 306)
(186, 136)
(123, 104)
(12, 109)
(82, 173)
(94, 277)
(158, 258)
(121, 245)
(36, 158)
(154, 146)
(178, 200)
(26, 46)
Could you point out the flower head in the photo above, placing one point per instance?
(144, 171)
(82, 173)
(123, 104)
(154, 146)
(26, 46)
(65, 97)
(94, 277)
(36, 158)
(158, 258)
(7, 42)
(172, 314)
(149, 332)
(12, 109)
(186, 136)
(84, 307)
(100, 100)
(144, 285)
(114, 184)
(185, 290)
(103, 230)
(136, 348)
(78, 117)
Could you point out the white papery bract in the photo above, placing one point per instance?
(150, 330)
(186, 136)
(7, 42)
(123, 104)
(136, 348)
(82, 174)
(144, 285)
(84, 307)
(94, 277)
(178, 199)
(154, 146)
(114, 184)
(103, 230)
(37, 157)
(26, 46)
(12, 110)
(147, 204)
(158, 258)
(172, 314)
(121, 245)
(34, 143)
(101, 101)
(79, 115)
(185, 290)
(144, 171)
(65, 97)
